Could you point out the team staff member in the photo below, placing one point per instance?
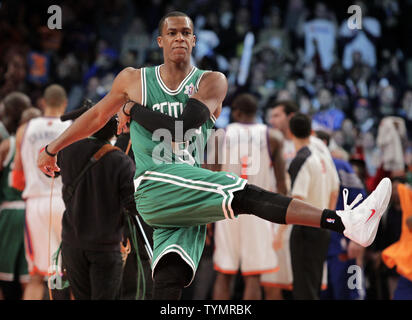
(92, 225)
(309, 182)
(280, 115)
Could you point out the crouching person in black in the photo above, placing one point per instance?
(97, 189)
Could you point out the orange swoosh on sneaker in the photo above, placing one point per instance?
(373, 212)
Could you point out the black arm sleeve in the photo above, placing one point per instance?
(193, 116)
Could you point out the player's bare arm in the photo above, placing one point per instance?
(4, 149)
(18, 180)
(212, 91)
(95, 118)
(276, 148)
(18, 165)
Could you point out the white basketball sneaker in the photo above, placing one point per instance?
(361, 223)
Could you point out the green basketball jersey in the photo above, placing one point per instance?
(7, 193)
(154, 149)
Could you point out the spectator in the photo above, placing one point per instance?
(273, 36)
(399, 254)
(391, 141)
(363, 40)
(13, 72)
(135, 45)
(407, 104)
(117, 16)
(207, 39)
(319, 34)
(295, 11)
(234, 36)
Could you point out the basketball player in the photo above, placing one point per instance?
(273, 283)
(247, 241)
(13, 265)
(30, 139)
(173, 194)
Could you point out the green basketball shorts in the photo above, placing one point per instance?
(179, 195)
(13, 264)
(178, 201)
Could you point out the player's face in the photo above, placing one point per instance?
(278, 119)
(177, 39)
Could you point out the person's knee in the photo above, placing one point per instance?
(252, 279)
(172, 271)
(37, 278)
(262, 203)
(168, 278)
(223, 278)
(171, 275)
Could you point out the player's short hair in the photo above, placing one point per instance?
(246, 103)
(173, 14)
(289, 106)
(16, 101)
(55, 96)
(29, 114)
(300, 125)
(14, 104)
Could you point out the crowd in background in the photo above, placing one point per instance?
(355, 83)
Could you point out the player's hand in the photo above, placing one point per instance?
(123, 119)
(47, 164)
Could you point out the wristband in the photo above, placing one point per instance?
(50, 154)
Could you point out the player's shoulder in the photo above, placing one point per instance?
(275, 134)
(214, 82)
(129, 73)
(126, 82)
(4, 149)
(22, 128)
(213, 76)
